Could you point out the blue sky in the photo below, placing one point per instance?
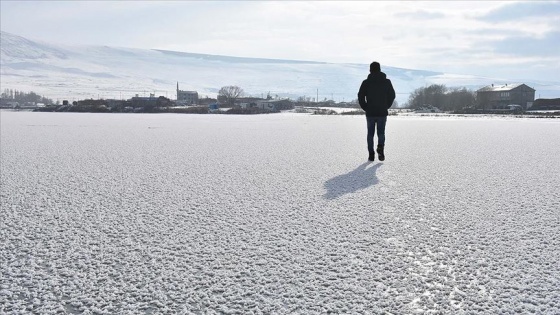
(500, 39)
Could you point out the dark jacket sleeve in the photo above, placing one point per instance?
(362, 95)
(391, 93)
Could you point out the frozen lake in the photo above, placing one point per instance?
(277, 214)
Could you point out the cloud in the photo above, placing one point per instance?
(547, 46)
(522, 10)
(435, 35)
(420, 15)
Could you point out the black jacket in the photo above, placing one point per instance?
(376, 94)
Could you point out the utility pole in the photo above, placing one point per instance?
(317, 99)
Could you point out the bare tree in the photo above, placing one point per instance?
(432, 95)
(442, 97)
(228, 94)
(459, 98)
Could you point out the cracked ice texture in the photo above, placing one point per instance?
(277, 214)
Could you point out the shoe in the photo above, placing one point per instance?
(371, 156)
(380, 151)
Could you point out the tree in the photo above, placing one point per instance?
(438, 95)
(459, 98)
(432, 95)
(229, 94)
(23, 97)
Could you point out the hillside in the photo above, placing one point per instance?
(78, 72)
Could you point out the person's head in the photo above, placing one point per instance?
(374, 67)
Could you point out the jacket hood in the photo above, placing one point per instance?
(377, 76)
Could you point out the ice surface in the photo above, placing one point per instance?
(277, 214)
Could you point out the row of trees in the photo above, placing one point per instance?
(442, 97)
(24, 97)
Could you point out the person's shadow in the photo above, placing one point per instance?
(358, 179)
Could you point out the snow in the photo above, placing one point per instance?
(280, 213)
(503, 87)
(70, 72)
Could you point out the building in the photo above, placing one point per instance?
(142, 101)
(500, 96)
(186, 97)
(148, 103)
(259, 103)
(268, 104)
(546, 104)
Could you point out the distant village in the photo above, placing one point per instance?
(230, 100)
(504, 98)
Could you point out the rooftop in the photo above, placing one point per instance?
(500, 87)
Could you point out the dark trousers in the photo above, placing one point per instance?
(374, 122)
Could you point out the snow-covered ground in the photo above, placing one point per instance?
(69, 72)
(277, 214)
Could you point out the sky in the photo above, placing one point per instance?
(499, 39)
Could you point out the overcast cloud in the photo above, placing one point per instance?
(497, 39)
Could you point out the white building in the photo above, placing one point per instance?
(186, 97)
(267, 104)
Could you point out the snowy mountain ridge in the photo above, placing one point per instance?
(78, 72)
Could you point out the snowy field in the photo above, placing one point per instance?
(277, 214)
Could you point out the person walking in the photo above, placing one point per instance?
(376, 96)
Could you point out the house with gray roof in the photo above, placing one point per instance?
(498, 96)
